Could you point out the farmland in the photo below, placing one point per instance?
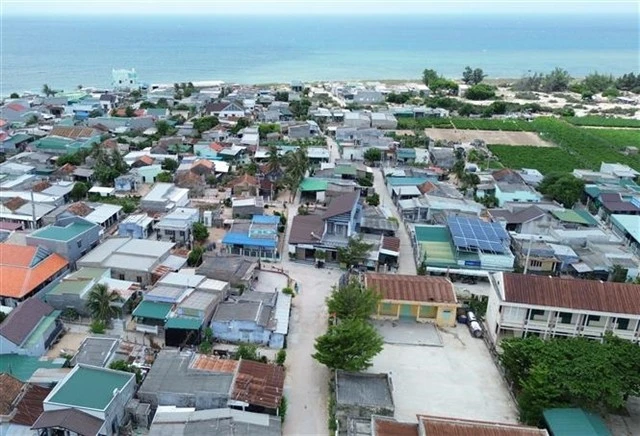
(618, 138)
(603, 122)
(488, 136)
(545, 160)
(509, 125)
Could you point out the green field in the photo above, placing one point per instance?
(618, 138)
(603, 121)
(544, 159)
(511, 125)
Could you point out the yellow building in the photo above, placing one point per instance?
(421, 298)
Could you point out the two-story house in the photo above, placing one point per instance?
(524, 305)
(177, 225)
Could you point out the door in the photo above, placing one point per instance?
(407, 312)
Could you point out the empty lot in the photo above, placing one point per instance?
(488, 136)
(458, 379)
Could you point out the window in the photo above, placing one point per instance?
(536, 312)
(535, 263)
(80, 243)
(121, 276)
(138, 279)
(623, 324)
(565, 317)
(592, 319)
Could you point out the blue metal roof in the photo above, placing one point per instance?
(266, 219)
(244, 239)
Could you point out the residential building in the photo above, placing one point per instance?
(182, 421)
(225, 110)
(100, 411)
(73, 290)
(123, 79)
(70, 237)
(526, 220)
(432, 209)
(30, 329)
(357, 119)
(362, 395)
(26, 271)
(246, 208)
(138, 226)
(21, 405)
(522, 305)
(96, 351)
(628, 228)
(238, 271)
(177, 225)
(132, 259)
(419, 298)
(257, 238)
(164, 197)
(254, 317)
(383, 120)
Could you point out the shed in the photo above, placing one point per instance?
(574, 422)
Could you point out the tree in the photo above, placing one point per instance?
(273, 158)
(164, 177)
(429, 76)
(248, 352)
(195, 256)
(618, 274)
(200, 232)
(14, 95)
(101, 303)
(281, 356)
(163, 128)
(33, 119)
(373, 155)
(297, 164)
(480, 92)
(129, 112)
(170, 165)
(79, 191)
(373, 199)
(556, 81)
(266, 128)
(352, 301)
(205, 123)
(473, 77)
(355, 252)
(47, 91)
(529, 83)
(350, 345)
(121, 365)
(300, 108)
(282, 96)
(240, 124)
(562, 187)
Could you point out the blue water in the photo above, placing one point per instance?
(67, 51)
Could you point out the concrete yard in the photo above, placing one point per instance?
(409, 333)
(270, 282)
(458, 379)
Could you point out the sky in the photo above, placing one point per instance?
(283, 7)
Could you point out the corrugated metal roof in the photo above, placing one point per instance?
(153, 310)
(573, 421)
(433, 425)
(183, 323)
(412, 288)
(259, 384)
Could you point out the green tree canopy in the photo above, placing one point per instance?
(170, 165)
(247, 352)
(195, 256)
(14, 95)
(101, 303)
(562, 187)
(473, 76)
(373, 155)
(355, 252)
(273, 158)
(373, 199)
(164, 177)
(121, 365)
(557, 80)
(429, 76)
(240, 124)
(200, 232)
(300, 108)
(164, 128)
(481, 92)
(352, 301)
(350, 345)
(282, 96)
(79, 191)
(571, 372)
(265, 128)
(205, 123)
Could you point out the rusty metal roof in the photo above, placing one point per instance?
(383, 426)
(591, 295)
(214, 364)
(412, 288)
(437, 426)
(259, 384)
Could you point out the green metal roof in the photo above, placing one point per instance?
(152, 310)
(570, 216)
(63, 233)
(52, 143)
(90, 387)
(313, 185)
(406, 153)
(42, 327)
(629, 223)
(432, 233)
(75, 283)
(23, 367)
(348, 170)
(183, 323)
(574, 422)
(406, 181)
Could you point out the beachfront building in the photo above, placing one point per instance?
(123, 79)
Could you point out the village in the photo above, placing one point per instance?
(204, 258)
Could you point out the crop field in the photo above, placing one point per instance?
(618, 138)
(546, 160)
(488, 136)
(603, 122)
(510, 125)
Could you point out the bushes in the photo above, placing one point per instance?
(604, 122)
(97, 327)
(281, 356)
(481, 92)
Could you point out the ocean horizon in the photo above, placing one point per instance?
(67, 51)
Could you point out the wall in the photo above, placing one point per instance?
(446, 316)
(493, 308)
(8, 347)
(132, 230)
(240, 331)
(500, 262)
(116, 412)
(70, 249)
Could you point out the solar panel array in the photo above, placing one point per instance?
(473, 233)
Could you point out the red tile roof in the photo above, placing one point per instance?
(203, 163)
(73, 132)
(383, 426)
(259, 384)
(437, 426)
(591, 295)
(391, 243)
(41, 186)
(245, 179)
(15, 203)
(80, 209)
(10, 389)
(16, 107)
(412, 288)
(17, 277)
(216, 146)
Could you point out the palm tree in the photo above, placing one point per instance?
(100, 303)
(46, 90)
(297, 166)
(273, 164)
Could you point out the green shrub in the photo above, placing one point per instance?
(97, 327)
(281, 356)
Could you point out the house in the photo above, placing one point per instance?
(617, 204)
(628, 228)
(362, 395)
(522, 305)
(132, 259)
(108, 102)
(177, 225)
(164, 197)
(101, 411)
(225, 110)
(526, 220)
(619, 170)
(175, 379)
(433, 209)
(21, 405)
(253, 317)
(70, 237)
(420, 298)
(444, 157)
(73, 290)
(238, 271)
(26, 271)
(30, 329)
(244, 185)
(367, 97)
(258, 238)
(124, 80)
(188, 421)
(246, 208)
(383, 120)
(138, 226)
(357, 119)
(544, 255)
(96, 351)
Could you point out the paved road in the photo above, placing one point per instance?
(334, 152)
(406, 261)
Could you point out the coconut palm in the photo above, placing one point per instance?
(297, 164)
(273, 162)
(46, 90)
(100, 303)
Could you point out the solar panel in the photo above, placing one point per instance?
(473, 233)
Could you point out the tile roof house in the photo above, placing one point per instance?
(433, 425)
(101, 410)
(552, 306)
(25, 271)
(422, 298)
(20, 404)
(30, 329)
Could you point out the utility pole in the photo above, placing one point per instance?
(526, 263)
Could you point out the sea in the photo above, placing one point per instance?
(67, 51)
